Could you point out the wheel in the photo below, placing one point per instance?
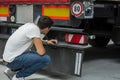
(99, 41)
(116, 36)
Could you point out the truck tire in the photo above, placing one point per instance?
(116, 36)
(99, 41)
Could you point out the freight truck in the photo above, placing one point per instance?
(77, 23)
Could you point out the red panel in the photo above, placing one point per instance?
(76, 39)
(33, 1)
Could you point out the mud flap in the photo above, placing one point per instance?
(65, 60)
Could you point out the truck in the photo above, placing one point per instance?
(77, 23)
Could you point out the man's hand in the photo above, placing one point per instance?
(52, 41)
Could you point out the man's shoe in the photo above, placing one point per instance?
(15, 78)
(9, 73)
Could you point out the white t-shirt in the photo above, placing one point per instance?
(20, 41)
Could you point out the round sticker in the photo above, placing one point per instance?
(12, 18)
(76, 8)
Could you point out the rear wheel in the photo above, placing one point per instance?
(99, 41)
(116, 36)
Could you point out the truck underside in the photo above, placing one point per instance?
(105, 24)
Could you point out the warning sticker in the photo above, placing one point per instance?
(4, 11)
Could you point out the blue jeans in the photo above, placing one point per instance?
(28, 63)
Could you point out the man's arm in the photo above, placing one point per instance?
(39, 46)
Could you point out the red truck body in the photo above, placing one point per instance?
(34, 1)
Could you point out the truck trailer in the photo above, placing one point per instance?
(77, 23)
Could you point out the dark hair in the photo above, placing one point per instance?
(45, 22)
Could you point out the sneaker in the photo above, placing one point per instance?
(9, 73)
(15, 78)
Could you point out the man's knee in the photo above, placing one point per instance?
(46, 59)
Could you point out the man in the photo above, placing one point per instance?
(17, 56)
